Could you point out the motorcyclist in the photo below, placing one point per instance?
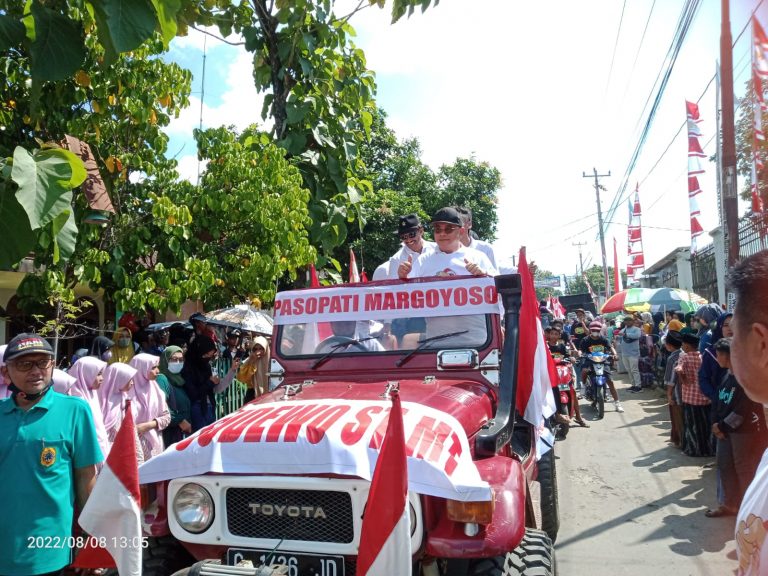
(594, 342)
(559, 351)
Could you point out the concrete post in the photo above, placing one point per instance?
(684, 274)
(718, 239)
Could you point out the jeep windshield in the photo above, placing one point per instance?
(385, 318)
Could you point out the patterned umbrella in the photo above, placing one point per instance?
(244, 317)
(653, 300)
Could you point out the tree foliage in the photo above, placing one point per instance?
(744, 144)
(576, 285)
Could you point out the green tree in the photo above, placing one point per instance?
(744, 145)
(474, 185)
(596, 279)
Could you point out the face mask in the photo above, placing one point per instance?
(123, 342)
(106, 356)
(175, 367)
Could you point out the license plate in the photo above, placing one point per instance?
(565, 387)
(298, 564)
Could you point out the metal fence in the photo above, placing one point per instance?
(704, 272)
(753, 237)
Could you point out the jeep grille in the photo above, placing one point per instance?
(335, 527)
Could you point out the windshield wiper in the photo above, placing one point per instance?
(336, 347)
(422, 343)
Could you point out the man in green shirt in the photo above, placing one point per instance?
(48, 457)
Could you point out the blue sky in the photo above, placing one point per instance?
(528, 87)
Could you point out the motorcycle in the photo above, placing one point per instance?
(567, 393)
(597, 381)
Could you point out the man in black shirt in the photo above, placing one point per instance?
(597, 343)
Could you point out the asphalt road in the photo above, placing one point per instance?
(633, 504)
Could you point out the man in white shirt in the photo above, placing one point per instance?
(411, 234)
(468, 240)
(451, 258)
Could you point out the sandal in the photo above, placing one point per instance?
(581, 422)
(719, 512)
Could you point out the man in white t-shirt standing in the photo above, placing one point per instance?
(451, 258)
(411, 234)
(468, 240)
(749, 359)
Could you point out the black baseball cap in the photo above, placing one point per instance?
(24, 344)
(448, 215)
(233, 333)
(408, 223)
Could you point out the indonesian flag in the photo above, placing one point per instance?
(113, 510)
(535, 400)
(385, 539)
(313, 281)
(617, 287)
(354, 275)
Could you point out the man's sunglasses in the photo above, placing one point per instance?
(444, 229)
(408, 235)
(27, 365)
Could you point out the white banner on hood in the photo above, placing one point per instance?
(331, 437)
(468, 296)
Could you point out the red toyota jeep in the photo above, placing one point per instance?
(285, 479)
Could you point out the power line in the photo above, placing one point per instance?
(622, 193)
(615, 45)
(637, 54)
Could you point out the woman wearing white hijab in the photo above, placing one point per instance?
(89, 373)
(114, 392)
(62, 382)
(151, 414)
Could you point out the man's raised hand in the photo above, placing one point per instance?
(405, 268)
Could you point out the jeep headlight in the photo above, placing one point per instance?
(193, 508)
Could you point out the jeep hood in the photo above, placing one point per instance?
(470, 403)
(334, 432)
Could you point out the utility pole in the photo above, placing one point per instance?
(581, 259)
(597, 176)
(728, 167)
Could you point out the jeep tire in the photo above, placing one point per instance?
(535, 556)
(550, 507)
(164, 556)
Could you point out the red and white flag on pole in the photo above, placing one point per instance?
(535, 400)
(354, 275)
(617, 286)
(113, 511)
(695, 154)
(385, 539)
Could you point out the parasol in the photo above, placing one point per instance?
(242, 316)
(653, 300)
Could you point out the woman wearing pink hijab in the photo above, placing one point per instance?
(152, 414)
(89, 374)
(113, 394)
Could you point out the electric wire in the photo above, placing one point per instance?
(637, 55)
(686, 18)
(622, 193)
(615, 46)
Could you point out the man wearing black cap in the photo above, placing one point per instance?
(48, 458)
(451, 257)
(411, 234)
